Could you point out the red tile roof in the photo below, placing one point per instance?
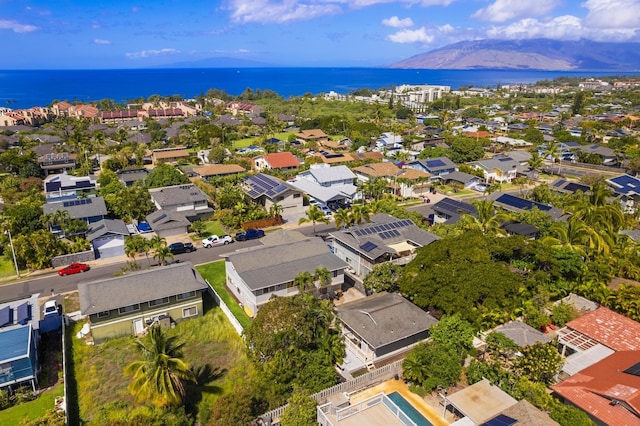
(281, 160)
(597, 388)
(609, 328)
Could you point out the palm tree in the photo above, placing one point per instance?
(275, 210)
(535, 162)
(158, 377)
(359, 213)
(303, 281)
(162, 253)
(342, 218)
(314, 214)
(487, 220)
(576, 236)
(553, 152)
(322, 276)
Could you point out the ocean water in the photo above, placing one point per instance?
(27, 88)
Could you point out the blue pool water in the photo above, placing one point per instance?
(408, 409)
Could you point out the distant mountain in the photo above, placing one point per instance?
(535, 54)
(220, 62)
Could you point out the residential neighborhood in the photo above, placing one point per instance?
(435, 256)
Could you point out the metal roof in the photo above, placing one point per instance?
(14, 343)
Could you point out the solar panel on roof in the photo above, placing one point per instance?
(358, 232)
(393, 225)
(559, 183)
(5, 316)
(23, 313)
(634, 369)
(162, 216)
(435, 163)
(500, 420)
(575, 187)
(368, 246)
(385, 227)
(520, 203)
(368, 230)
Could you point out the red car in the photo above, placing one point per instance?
(74, 268)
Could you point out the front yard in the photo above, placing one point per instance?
(213, 349)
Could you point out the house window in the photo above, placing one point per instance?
(102, 314)
(187, 295)
(335, 274)
(279, 198)
(157, 302)
(297, 195)
(190, 312)
(130, 308)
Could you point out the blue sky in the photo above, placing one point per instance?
(65, 34)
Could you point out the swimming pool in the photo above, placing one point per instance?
(408, 409)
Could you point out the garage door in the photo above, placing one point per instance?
(108, 246)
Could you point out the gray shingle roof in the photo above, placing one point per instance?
(178, 194)
(410, 233)
(105, 226)
(139, 287)
(522, 334)
(164, 219)
(271, 265)
(92, 207)
(384, 318)
(331, 174)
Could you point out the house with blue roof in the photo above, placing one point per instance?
(19, 338)
(627, 189)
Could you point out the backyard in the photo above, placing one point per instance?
(213, 349)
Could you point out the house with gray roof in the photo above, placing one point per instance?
(89, 210)
(269, 190)
(381, 326)
(437, 167)
(522, 334)
(130, 304)
(188, 200)
(384, 239)
(498, 169)
(130, 176)
(329, 176)
(107, 237)
(257, 273)
(167, 223)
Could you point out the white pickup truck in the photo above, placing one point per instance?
(215, 240)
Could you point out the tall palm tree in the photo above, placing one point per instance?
(487, 220)
(162, 253)
(314, 215)
(535, 163)
(359, 213)
(303, 281)
(576, 236)
(322, 276)
(342, 218)
(553, 152)
(159, 376)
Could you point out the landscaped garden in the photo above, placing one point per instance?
(213, 350)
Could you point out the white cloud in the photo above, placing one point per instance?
(150, 53)
(101, 41)
(419, 35)
(357, 4)
(17, 27)
(612, 14)
(395, 22)
(565, 27)
(266, 11)
(504, 10)
(446, 28)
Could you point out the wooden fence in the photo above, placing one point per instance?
(263, 223)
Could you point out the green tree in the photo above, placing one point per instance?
(383, 277)
(301, 410)
(454, 332)
(158, 377)
(165, 175)
(314, 215)
(487, 219)
(539, 362)
(430, 365)
(342, 218)
(303, 281)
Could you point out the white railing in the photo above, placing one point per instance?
(232, 319)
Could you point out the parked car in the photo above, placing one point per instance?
(325, 209)
(74, 268)
(178, 248)
(214, 240)
(250, 234)
(50, 308)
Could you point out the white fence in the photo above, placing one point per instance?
(232, 319)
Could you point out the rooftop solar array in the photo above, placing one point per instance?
(559, 183)
(634, 369)
(575, 187)
(626, 183)
(500, 420)
(78, 202)
(389, 234)
(20, 315)
(378, 229)
(368, 246)
(455, 206)
(5, 316)
(521, 203)
(23, 313)
(435, 163)
(159, 218)
(261, 184)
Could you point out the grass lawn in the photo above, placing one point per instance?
(243, 143)
(212, 348)
(214, 273)
(33, 409)
(7, 269)
(212, 227)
